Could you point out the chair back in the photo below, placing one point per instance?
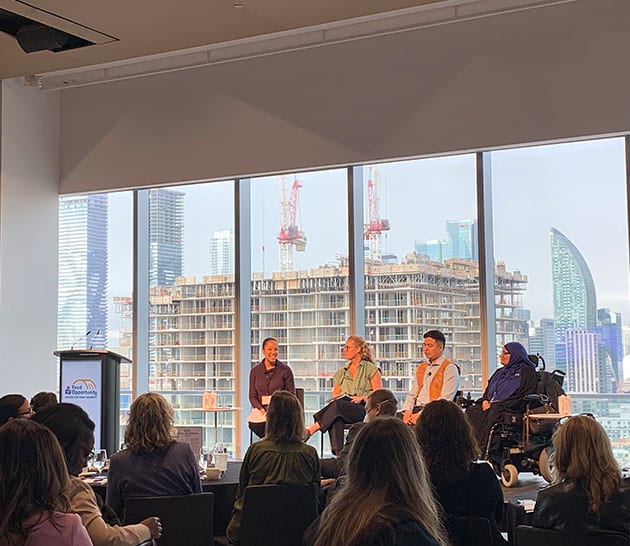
(277, 515)
(535, 536)
(470, 531)
(299, 393)
(186, 519)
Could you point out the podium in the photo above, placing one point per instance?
(91, 379)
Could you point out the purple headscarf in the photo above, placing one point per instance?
(507, 379)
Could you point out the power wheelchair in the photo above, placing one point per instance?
(522, 441)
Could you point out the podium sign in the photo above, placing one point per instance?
(81, 384)
(91, 379)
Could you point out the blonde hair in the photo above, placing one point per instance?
(584, 456)
(150, 424)
(366, 351)
(386, 479)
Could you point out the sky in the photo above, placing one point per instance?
(578, 188)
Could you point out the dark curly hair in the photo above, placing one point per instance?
(447, 441)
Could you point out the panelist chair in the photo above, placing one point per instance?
(535, 536)
(186, 519)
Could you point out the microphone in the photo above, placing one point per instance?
(80, 339)
(93, 338)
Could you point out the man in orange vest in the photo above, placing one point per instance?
(437, 377)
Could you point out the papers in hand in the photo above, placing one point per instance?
(256, 416)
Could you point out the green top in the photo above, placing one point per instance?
(267, 462)
(360, 385)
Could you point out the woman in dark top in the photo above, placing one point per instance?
(267, 377)
(505, 392)
(589, 495)
(462, 487)
(280, 457)
(387, 497)
(154, 463)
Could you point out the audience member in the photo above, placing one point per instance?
(33, 480)
(14, 406)
(280, 457)
(380, 403)
(387, 497)
(437, 377)
(351, 386)
(154, 463)
(461, 486)
(505, 392)
(589, 494)
(267, 377)
(75, 431)
(43, 400)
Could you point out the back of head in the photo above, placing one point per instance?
(33, 476)
(150, 424)
(10, 405)
(584, 455)
(447, 441)
(43, 400)
(285, 422)
(436, 335)
(74, 430)
(387, 473)
(384, 400)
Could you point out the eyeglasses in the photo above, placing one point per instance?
(504, 353)
(29, 411)
(348, 347)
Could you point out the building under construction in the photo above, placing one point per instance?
(192, 332)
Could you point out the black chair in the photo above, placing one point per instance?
(535, 536)
(186, 519)
(470, 531)
(277, 515)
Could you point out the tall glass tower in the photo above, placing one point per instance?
(83, 275)
(574, 300)
(222, 253)
(166, 236)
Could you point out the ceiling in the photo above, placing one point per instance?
(124, 29)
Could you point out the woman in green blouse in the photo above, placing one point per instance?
(351, 386)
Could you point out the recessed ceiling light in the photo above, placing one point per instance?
(238, 5)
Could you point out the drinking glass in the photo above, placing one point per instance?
(205, 459)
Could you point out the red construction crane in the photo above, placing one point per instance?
(375, 225)
(290, 236)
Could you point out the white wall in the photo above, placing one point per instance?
(551, 73)
(29, 181)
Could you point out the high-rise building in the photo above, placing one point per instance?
(574, 299)
(460, 242)
(588, 368)
(609, 327)
(83, 274)
(166, 236)
(542, 338)
(222, 253)
(462, 239)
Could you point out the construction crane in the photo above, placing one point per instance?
(289, 236)
(375, 225)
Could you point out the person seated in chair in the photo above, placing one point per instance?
(268, 376)
(380, 403)
(589, 494)
(506, 391)
(437, 377)
(461, 486)
(351, 386)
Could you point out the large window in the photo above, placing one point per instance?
(300, 291)
(560, 222)
(560, 277)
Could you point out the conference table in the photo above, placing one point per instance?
(224, 491)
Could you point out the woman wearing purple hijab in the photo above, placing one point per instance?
(505, 392)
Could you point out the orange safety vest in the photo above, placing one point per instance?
(435, 388)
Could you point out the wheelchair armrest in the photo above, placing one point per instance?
(536, 398)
